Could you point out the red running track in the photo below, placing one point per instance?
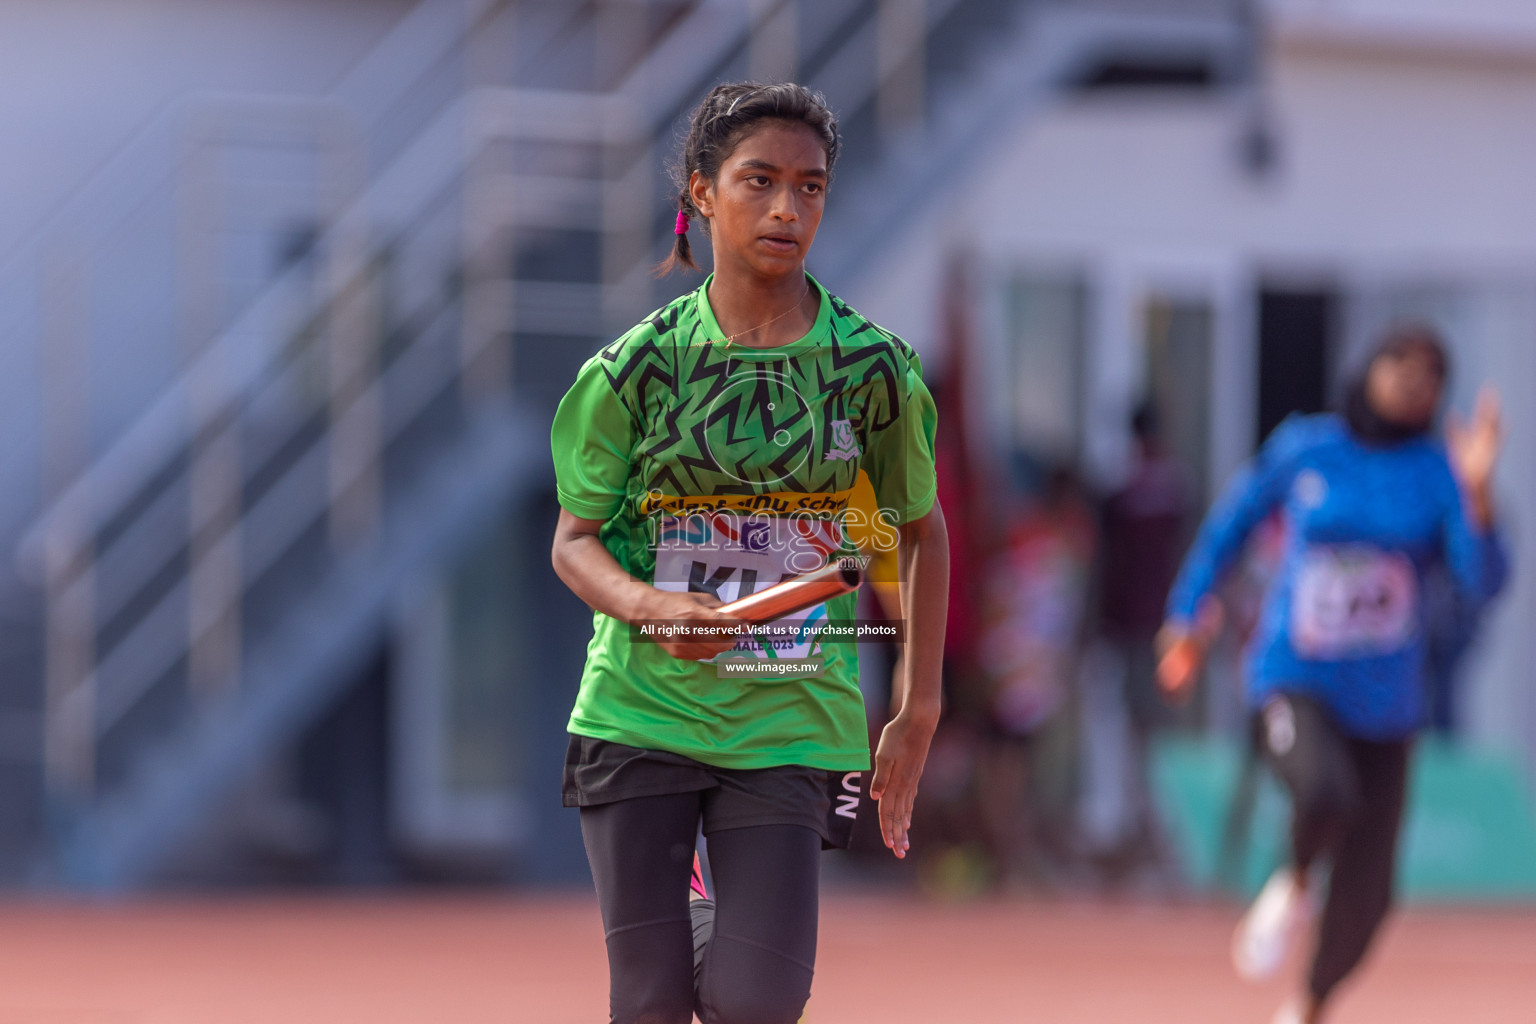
(470, 959)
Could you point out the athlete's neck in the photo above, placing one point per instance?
(759, 312)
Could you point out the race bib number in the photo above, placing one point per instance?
(732, 554)
(1353, 601)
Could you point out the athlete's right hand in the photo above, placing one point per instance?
(1180, 654)
(1181, 651)
(710, 631)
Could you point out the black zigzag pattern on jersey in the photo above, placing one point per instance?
(675, 383)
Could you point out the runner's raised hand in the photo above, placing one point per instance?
(1473, 448)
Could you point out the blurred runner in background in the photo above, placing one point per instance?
(1371, 500)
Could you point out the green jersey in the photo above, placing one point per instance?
(720, 468)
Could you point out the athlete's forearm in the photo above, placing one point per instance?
(925, 557)
(593, 574)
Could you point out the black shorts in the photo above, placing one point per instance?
(600, 772)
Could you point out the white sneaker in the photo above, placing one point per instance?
(1264, 936)
(1290, 1013)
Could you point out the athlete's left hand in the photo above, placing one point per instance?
(1474, 448)
(899, 763)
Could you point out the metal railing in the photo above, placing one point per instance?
(265, 454)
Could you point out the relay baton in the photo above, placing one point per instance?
(796, 594)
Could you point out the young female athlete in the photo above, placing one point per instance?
(706, 454)
(1370, 499)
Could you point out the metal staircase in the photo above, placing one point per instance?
(210, 581)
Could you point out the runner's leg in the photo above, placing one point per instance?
(641, 852)
(758, 966)
(1360, 890)
(1313, 760)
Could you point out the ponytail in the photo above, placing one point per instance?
(682, 252)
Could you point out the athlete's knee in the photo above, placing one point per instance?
(644, 990)
(674, 1011)
(771, 990)
(757, 1005)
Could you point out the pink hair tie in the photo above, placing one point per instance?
(682, 224)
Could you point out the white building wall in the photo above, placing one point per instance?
(1436, 24)
(82, 75)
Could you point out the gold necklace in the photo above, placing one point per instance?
(731, 338)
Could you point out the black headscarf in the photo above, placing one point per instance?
(1364, 422)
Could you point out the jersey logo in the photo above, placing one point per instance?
(844, 444)
(754, 536)
(682, 531)
(1311, 489)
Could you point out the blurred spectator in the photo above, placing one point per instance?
(1144, 526)
(1030, 623)
(1032, 606)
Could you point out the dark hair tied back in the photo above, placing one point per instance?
(724, 118)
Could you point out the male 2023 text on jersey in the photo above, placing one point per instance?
(1344, 620)
(721, 468)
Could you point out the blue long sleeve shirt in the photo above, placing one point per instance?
(1344, 619)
